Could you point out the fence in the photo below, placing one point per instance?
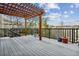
(71, 33)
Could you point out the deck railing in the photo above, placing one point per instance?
(71, 33)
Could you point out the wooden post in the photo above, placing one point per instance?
(25, 23)
(73, 36)
(65, 33)
(76, 35)
(25, 27)
(40, 27)
(17, 25)
(70, 39)
(49, 32)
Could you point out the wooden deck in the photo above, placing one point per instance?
(31, 46)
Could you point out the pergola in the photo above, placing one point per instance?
(23, 10)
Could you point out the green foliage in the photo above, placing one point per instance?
(34, 23)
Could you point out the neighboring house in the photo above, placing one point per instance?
(5, 23)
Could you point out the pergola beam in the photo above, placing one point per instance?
(40, 27)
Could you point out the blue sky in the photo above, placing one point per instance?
(68, 13)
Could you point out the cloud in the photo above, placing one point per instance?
(72, 23)
(42, 4)
(48, 6)
(72, 6)
(53, 16)
(72, 12)
(53, 6)
(46, 11)
(76, 5)
(66, 16)
(65, 12)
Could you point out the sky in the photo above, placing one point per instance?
(57, 13)
(60, 13)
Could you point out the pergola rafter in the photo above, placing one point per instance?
(24, 10)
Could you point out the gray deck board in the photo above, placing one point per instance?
(1, 52)
(9, 47)
(31, 46)
(0, 48)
